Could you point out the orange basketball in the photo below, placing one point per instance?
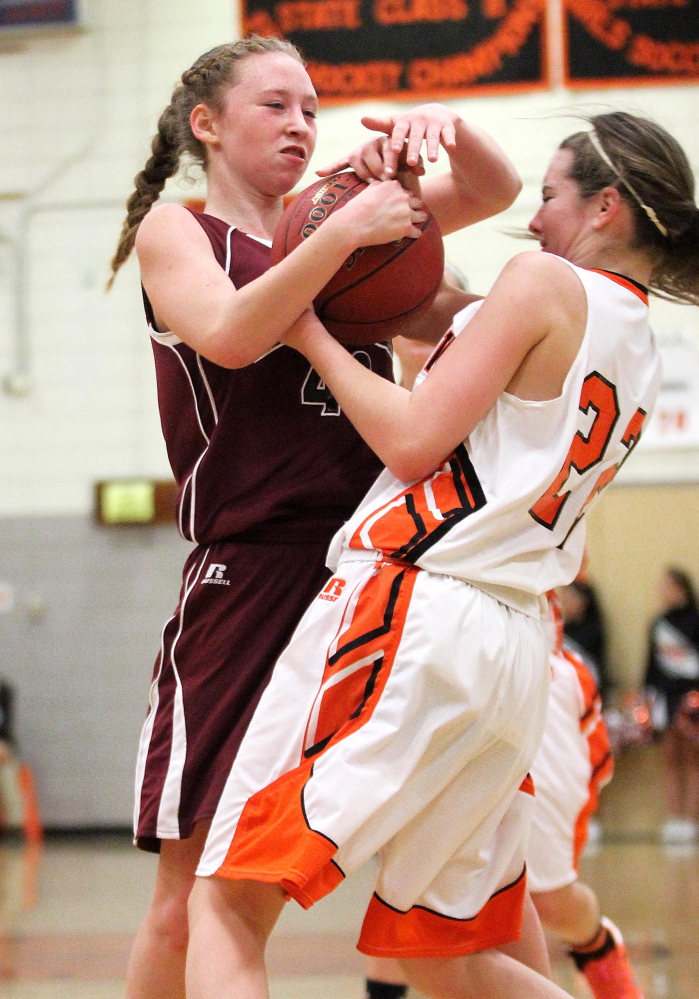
(378, 289)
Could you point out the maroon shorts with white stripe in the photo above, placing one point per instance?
(239, 605)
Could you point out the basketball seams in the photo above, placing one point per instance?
(376, 269)
(381, 292)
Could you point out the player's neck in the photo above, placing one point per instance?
(634, 264)
(231, 199)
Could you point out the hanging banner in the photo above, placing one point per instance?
(613, 42)
(37, 13)
(675, 419)
(408, 49)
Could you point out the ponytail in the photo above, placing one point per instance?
(650, 170)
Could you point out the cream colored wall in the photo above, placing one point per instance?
(77, 392)
(633, 534)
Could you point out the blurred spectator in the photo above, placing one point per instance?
(584, 631)
(672, 682)
(7, 743)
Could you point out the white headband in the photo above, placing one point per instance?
(597, 145)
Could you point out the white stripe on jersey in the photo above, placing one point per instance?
(207, 386)
(168, 811)
(147, 730)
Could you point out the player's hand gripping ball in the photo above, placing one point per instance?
(379, 289)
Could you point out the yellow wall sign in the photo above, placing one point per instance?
(127, 501)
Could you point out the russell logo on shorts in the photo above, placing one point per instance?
(332, 590)
(214, 574)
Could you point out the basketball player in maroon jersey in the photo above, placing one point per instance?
(266, 464)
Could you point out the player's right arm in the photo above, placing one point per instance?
(193, 297)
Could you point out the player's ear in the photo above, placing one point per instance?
(609, 202)
(204, 125)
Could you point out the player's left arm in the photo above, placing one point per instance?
(481, 182)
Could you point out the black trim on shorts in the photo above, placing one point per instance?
(369, 688)
(368, 636)
(305, 816)
(601, 765)
(454, 919)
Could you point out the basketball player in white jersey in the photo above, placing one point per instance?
(415, 687)
(572, 765)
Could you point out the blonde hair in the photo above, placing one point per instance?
(203, 83)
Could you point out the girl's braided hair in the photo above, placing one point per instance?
(202, 83)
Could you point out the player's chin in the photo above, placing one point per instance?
(282, 183)
(290, 173)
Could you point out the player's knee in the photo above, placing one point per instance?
(168, 918)
(548, 907)
(572, 911)
(439, 977)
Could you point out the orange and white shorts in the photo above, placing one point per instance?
(402, 720)
(573, 764)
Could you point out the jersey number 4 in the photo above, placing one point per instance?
(316, 393)
(599, 396)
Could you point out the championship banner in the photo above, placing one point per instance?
(407, 49)
(613, 42)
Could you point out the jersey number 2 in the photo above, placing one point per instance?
(598, 395)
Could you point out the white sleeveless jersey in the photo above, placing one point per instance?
(504, 511)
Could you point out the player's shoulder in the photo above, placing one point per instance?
(167, 226)
(168, 218)
(537, 265)
(544, 280)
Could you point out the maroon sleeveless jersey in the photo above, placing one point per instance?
(261, 452)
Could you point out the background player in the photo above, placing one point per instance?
(672, 674)
(431, 697)
(572, 765)
(267, 466)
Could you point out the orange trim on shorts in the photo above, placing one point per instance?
(273, 841)
(347, 696)
(421, 932)
(527, 785)
(593, 726)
